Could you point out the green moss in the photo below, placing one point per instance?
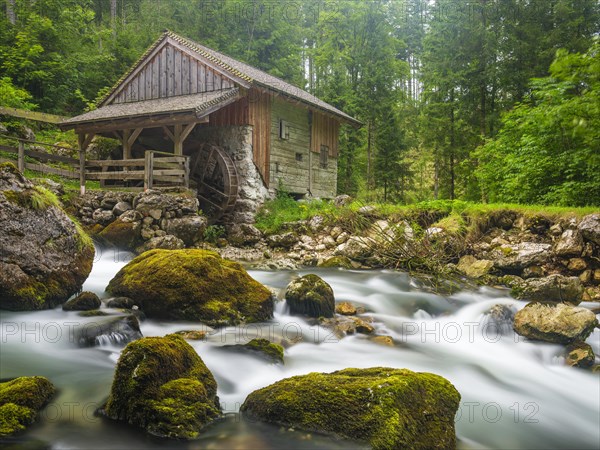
(36, 198)
(310, 295)
(336, 261)
(125, 235)
(192, 284)
(452, 224)
(271, 350)
(20, 399)
(388, 408)
(162, 385)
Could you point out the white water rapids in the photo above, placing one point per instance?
(515, 394)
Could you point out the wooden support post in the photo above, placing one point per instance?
(186, 175)
(84, 142)
(148, 169)
(178, 142)
(21, 157)
(126, 144)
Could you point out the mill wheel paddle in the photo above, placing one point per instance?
(217, 182)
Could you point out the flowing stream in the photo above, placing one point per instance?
(515, 394)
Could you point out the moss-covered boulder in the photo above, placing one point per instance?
(192, 284)
(263, 348)
(580, 354)
(387, 408)
(121, 233)
(310, 295)
(163, 386)
(555, 322)
(20, 401)
(86, 301)
(45, 256)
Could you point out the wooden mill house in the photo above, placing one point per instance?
(235, 132)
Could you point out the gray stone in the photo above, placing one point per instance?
(356, 248)
(554, 288)
(557, 323)
(285, 240)
(580, 354)
(153, 200)
(569, 244)
(342, 200)
(102, 216)
(519, 256)
(168, 242)
(590, 228)
(367, 210)
(190, 229)
(130, 216)
(240, 234)
(121, 208)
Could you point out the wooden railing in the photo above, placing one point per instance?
(72, 170)
(155, 167)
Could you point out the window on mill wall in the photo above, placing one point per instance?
(323, 156)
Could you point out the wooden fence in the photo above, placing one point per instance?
(157, 168)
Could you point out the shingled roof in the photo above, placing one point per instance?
(242, 71)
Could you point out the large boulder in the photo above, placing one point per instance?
(590, 228)
(554, 288)
(558, 323)
(122, 233)
(387, 408)
(164, 387)
(240, 234)
(20, 401)
(310, 295)
(192, 284)
(45, 257)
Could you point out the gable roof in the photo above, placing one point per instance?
(240, 71)
(200, 105)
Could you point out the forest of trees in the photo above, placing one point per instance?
(482, 100)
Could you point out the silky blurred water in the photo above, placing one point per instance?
(515, 394)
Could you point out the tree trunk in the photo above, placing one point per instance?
(10, 11)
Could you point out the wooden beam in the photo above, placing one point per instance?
(178, 142)
(186, 131)
(169, 133)
(126, 144)
(143, 122)
(81, 139)
(134, 135)
(31, 115)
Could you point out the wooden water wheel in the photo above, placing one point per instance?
(217, 182)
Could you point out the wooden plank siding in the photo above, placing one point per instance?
(171, 72)
(284, 167)
(325, 131)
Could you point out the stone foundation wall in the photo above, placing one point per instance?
(237, 142)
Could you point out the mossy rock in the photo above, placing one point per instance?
(45, 255)
(336, 261)
(121, 234)
(387, 408)
(20, 400)
(164, 387)
(261, 347)
(192, 284)
(86, 301)
(310, 295)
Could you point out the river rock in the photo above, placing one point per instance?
(357, 248)
(570, 243)
(121, 233)
(263, 348)
(386, 408)
(190, 229)
(85, 301)
(152, 203)
(558, 323)
(336, 261)
(20, 401)
(310, 295)
(168, 242)
(285, 240)
(118, 330)
(554, 288)
(518, 256)
(120, 302)
(473, 267)
(121, 208)
(192, 284)
(580, 354)
(164, 387)
(240, 234)
(345, 309)
(342, 200)
(45, 257)
(590, 228)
